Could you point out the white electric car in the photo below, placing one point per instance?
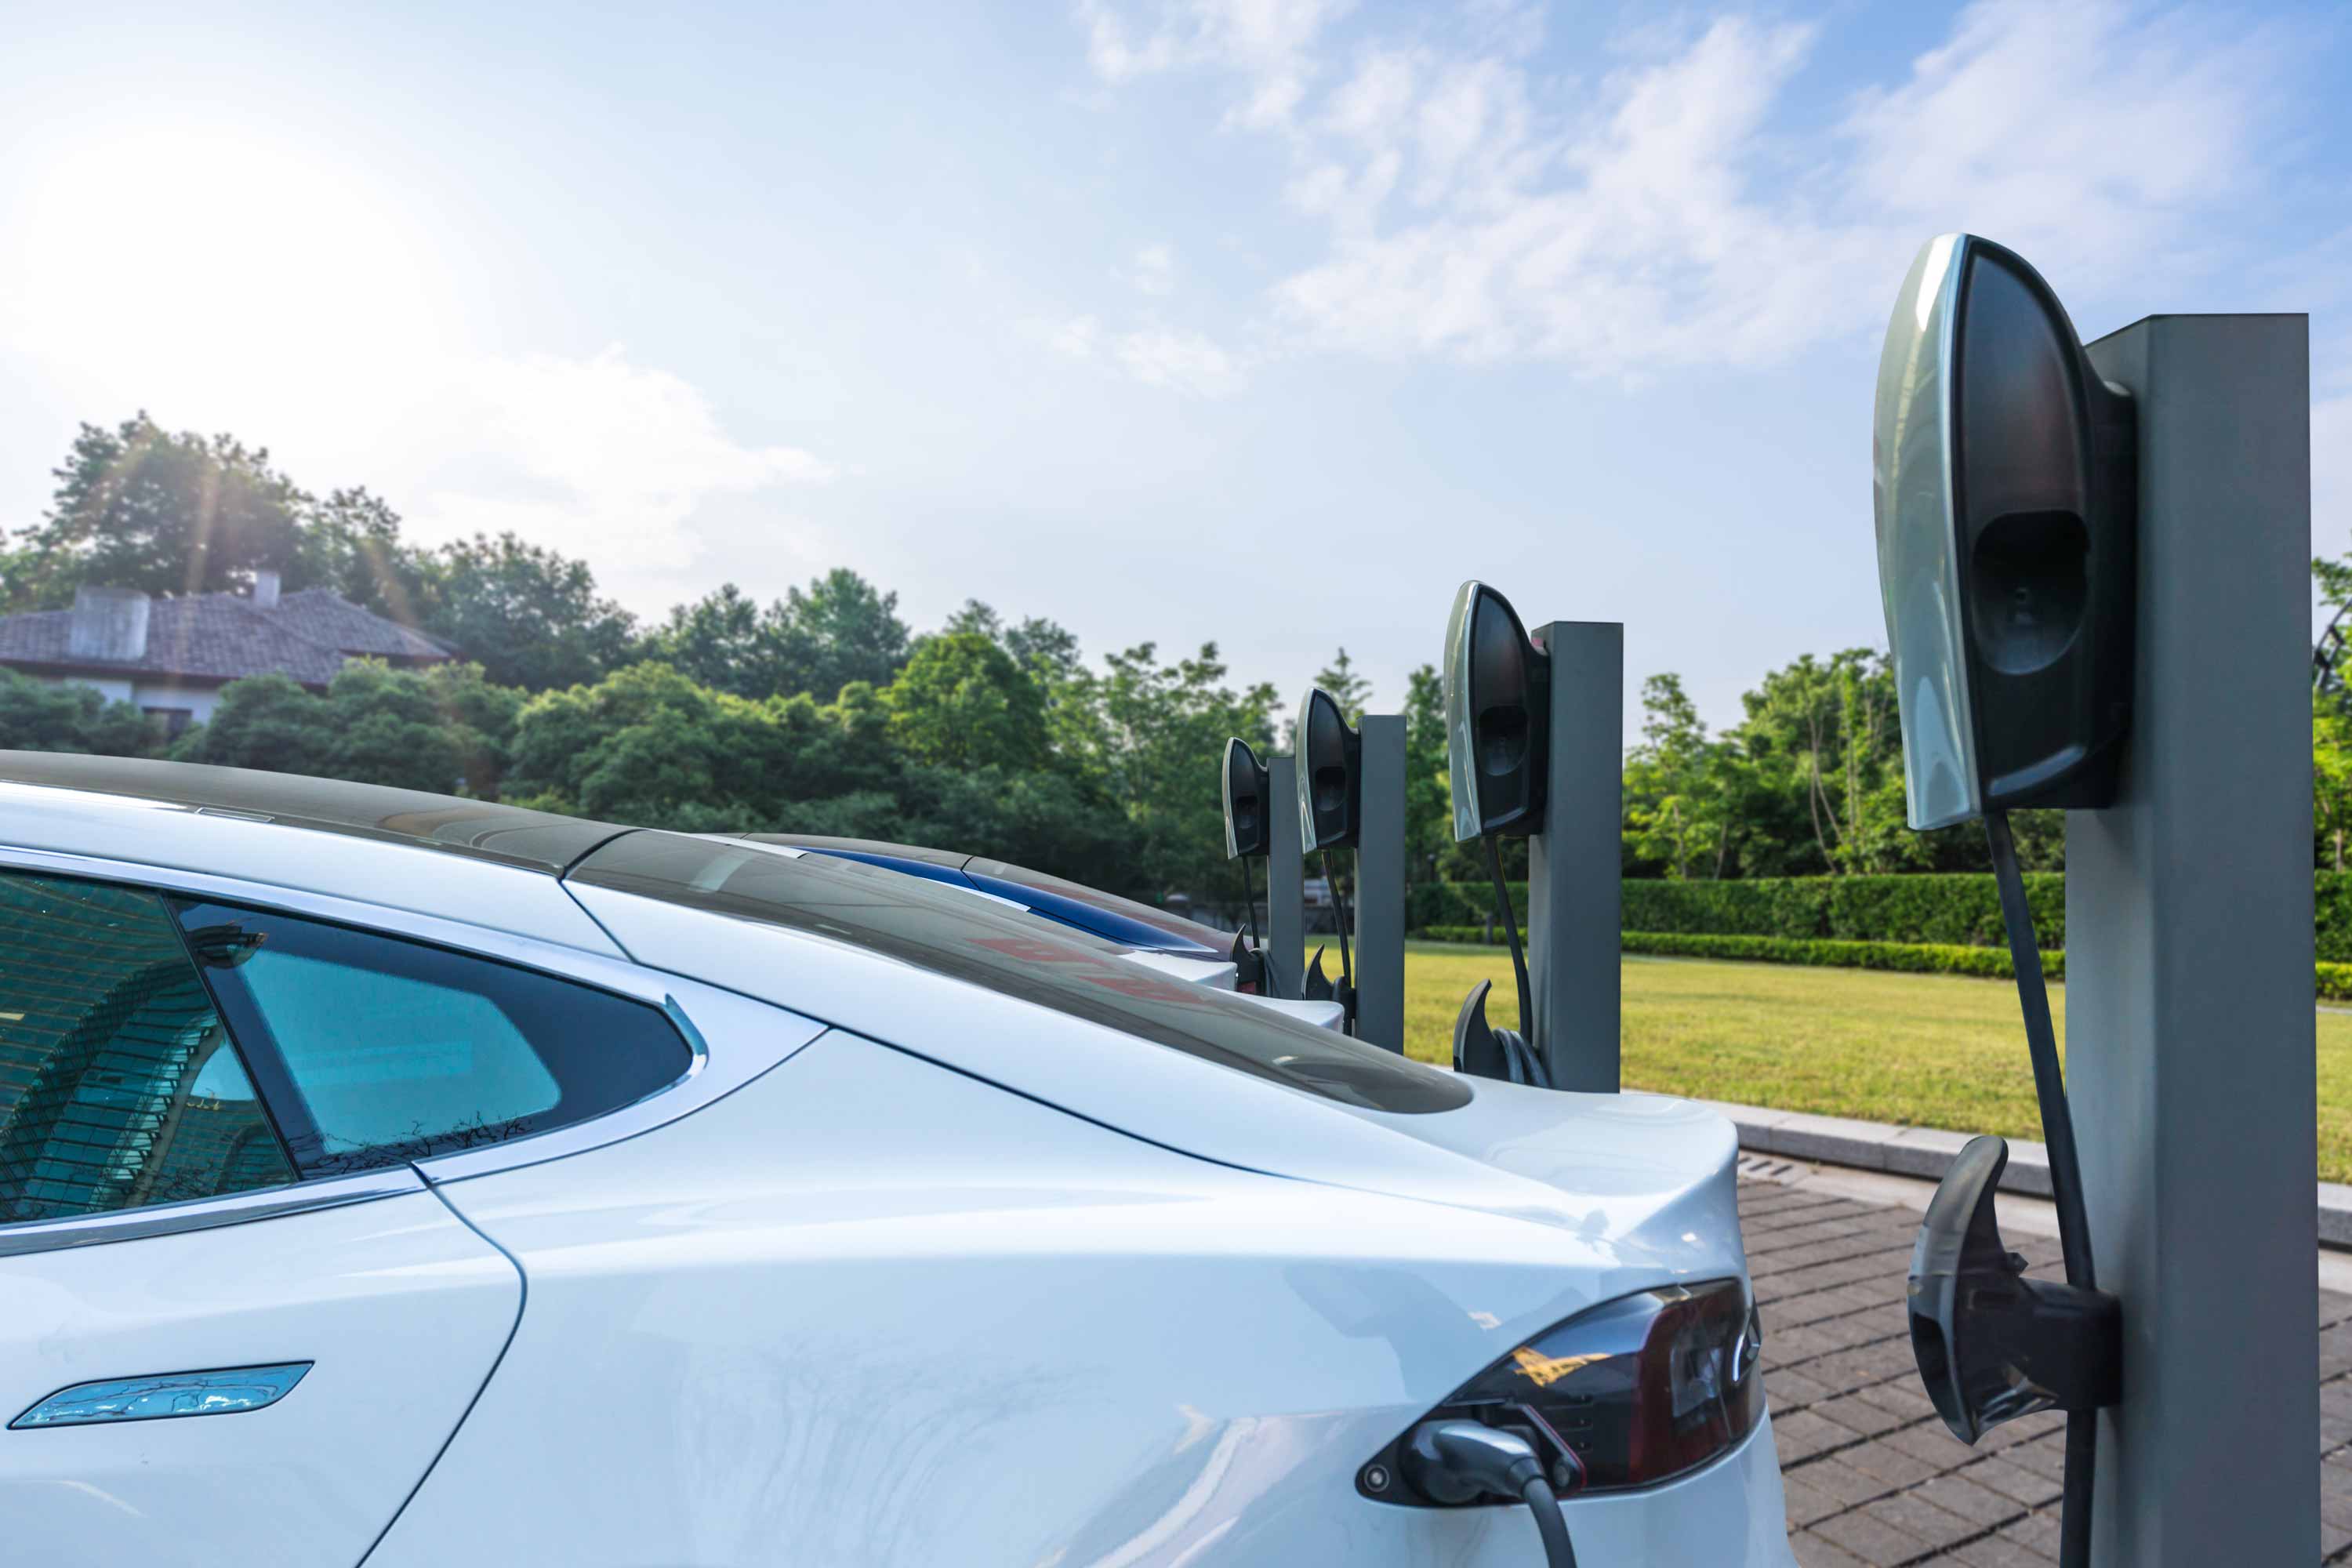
(398, 1179)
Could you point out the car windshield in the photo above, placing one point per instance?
(907, 919)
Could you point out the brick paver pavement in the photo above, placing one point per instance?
(1872, 1477)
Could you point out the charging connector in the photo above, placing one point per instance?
(1464, 1461)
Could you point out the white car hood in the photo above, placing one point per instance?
(1650, 1174)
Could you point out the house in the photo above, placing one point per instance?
(172, 657)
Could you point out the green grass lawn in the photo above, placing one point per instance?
(1929, 1050)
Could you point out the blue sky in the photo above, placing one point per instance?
(1265, 321)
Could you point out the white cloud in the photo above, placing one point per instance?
(1153, 271)
(1267, 41)
(598, 456)
(1185, 361)
(2084, 133)
(1666, 214)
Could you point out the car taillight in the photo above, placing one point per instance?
(1628, 1394)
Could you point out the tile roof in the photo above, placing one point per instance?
(226, 637)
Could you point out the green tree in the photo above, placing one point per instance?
(2331, 776)
(264, 721)
(725, 641)
(840, 629)
(351, 544)
(1428, 790)
(1823, 736)
(385, 726)
(1346, 686)
(46, 716)
(479, 718)
(1149, 736)
(1675, 791)
(137, 506)
(529, 617)
(962, 702)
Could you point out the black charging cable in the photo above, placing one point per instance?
(1249, 902)
(1511, 929)
(1464, 1461)
(1347, 994)
(2066, 1169)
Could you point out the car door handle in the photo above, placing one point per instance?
(222, 1391)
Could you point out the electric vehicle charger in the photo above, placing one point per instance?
(1464, 1461)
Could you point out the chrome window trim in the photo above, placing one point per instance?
(206, 1214)
(755, 1035)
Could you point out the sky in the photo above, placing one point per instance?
(1264, 321)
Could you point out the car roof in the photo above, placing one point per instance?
(1134, 911)
(481, 830)
(953, 858)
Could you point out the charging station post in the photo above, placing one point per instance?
(1379, 885)
(1574, 863)
(2190, 1047)
(1285, 885)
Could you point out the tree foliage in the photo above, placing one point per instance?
(529, 617)
(137, 506)
(838, 630)
(962, 702)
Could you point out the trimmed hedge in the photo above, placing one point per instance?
(2332, 981)
(1938, 910)
(1909, 957)
(2332, 910)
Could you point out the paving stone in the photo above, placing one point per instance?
(1807, 1502)
(1802, 1433)
(1836, 1476)
(1913, 1514)
(1933, 1443)
(2038, 1532)
(1994, 1552)
(1860, 1415)
(1873, 1540)
(1871, 1476)
(1789, 1389)
(2020, 1485)
(1888, 1464)
(1961, 1494)
(1813, 1551)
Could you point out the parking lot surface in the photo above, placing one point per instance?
(1872, 1477)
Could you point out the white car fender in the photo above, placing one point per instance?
(867, 1311)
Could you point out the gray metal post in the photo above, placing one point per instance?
(1574, 865)
(1379, 885)
(1285, 880)
(2189, 1060)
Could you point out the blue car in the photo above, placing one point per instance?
(1127, 921)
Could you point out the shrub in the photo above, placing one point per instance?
(2332, 906)
(1937, 909)
(1908, 957)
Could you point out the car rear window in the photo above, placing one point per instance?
(907, 918)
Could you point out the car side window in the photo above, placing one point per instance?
(119, 1086)
(374, 1050)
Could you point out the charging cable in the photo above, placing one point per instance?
(1463, 1461)
(1346, 994)
(1518, 959)
(2065, 1168)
